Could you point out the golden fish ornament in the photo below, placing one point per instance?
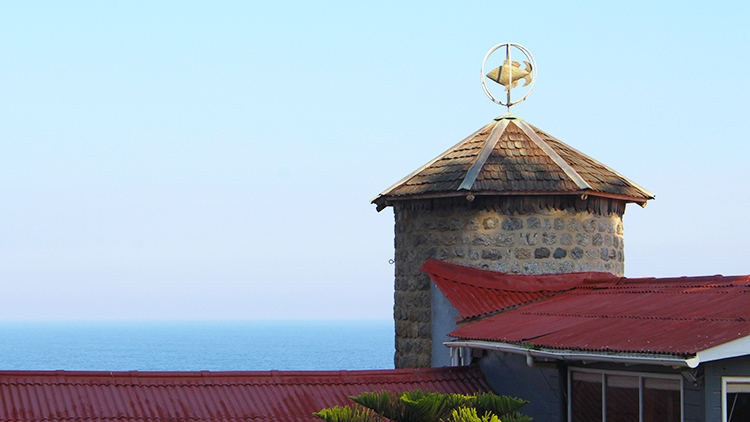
(500, 74)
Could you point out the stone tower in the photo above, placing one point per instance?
(509, 198)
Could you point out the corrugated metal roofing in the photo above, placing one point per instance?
(476, 292)
(209, 396)
(680, 316)
(520, 159)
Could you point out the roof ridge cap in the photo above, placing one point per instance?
(484, 154)
(552, 154)
(636, 185)
(380, 207)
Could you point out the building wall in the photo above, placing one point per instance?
(544, 388)
(443, 322)
(486, 234)
(736, 367)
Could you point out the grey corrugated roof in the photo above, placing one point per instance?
(510, 157)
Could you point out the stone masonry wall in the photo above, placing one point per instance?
(543, 242)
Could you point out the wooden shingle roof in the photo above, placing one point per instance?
(510, 157)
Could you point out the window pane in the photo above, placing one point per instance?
(738, 407)
(622, 399)
(586, 397)
(661, 400)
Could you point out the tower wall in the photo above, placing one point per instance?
(508, 234)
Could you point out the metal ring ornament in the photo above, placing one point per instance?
(533, 72)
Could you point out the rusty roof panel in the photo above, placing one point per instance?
(516, 163)
(209, 396)
(477, 292)
(596, 312)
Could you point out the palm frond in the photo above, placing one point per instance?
(348, 414)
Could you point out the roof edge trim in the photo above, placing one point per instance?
(429, 163)
(456, 194)
(641, 188)
(731, 349)
(577, 355)
(564, 166)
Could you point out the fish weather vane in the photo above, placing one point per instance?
(510, 72)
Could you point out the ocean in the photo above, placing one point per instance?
(197, 345)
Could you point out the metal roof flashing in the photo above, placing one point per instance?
(509, 156)
(674, 361)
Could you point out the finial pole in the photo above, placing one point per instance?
(510, 74)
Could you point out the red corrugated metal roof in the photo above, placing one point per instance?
(681, 320)
(679, 316)
(476, 292)
(209, 396)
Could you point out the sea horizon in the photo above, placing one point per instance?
(196, 345)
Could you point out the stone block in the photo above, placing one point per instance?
(567, 267)
(597, 240)
(531, 268)
(559, 224)
(492, 254)
(481, 239)
(584, 266)
(589, 225)
(541, 253)
(533, 223)
(456, 224)
(527, 239)
(490, 223)
(522, 253)
(512, 224)
(582, 239)
(549, 238)
(566, 239)
(548, 267)
(560, 253)
(500, 267)
(505, 240)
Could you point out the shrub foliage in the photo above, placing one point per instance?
(425, 406)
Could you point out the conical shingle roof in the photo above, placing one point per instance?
(510, 157)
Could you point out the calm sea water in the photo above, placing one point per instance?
(196, 346)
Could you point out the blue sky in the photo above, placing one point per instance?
(215, 160)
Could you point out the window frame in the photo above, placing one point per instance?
(724, 382)
(641, 376)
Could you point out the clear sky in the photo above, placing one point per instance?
(215, 160)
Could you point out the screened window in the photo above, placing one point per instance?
(624, 397)
(735, 399)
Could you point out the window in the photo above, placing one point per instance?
(735, 399)
(608, 396)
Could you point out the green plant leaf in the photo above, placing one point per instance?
(348, 414)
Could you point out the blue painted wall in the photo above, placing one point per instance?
(736, 367)
(443, 322)
(509, 375)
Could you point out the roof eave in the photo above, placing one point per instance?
(383, 201)
(731, 349)
(579, 355)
